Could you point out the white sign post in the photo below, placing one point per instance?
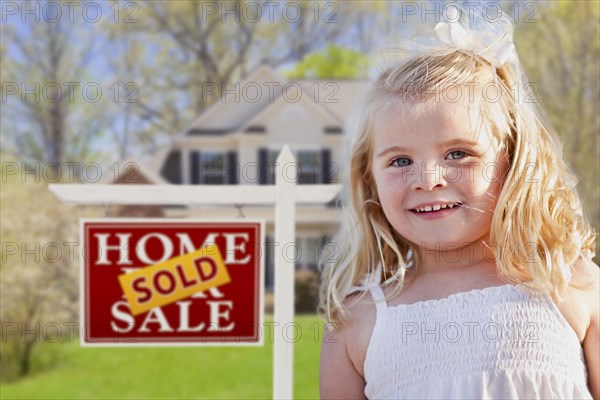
(285, 210)
(284, 195)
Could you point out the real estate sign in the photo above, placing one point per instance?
(171, 282)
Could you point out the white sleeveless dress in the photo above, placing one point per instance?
(503, 342)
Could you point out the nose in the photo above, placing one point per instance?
(431, 175)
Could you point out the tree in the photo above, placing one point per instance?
(333, 63)
(38, 275)
(191, 46)
(194, 43)
(43, 74)
(560, 49)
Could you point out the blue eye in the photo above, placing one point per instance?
(402, 162)
(457, 154)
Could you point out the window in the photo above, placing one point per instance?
(332, 130)
(308, 164)
(309, 251)
(255, 129)
(314, 166)
(212, 168)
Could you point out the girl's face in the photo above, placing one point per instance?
(438, 175)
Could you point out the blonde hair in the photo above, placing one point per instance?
(538, 230)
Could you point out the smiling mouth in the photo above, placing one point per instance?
(436, 207)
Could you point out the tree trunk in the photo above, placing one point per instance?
(25, 359)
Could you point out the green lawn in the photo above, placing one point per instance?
(177, 372)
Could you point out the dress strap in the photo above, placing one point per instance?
(378, 297)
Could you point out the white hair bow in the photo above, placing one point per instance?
(498, 50)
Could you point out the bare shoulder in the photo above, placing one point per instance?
(344, 348)
(358, 326)
(580, 305)
(588, 271)
(591, 341)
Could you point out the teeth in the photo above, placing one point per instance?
(435, 207)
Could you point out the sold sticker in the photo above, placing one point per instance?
(174, 279)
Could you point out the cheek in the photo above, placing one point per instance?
(391, 192)
(492, 176)
(483, 183)
(492, 172)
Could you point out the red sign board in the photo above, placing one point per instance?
(171, 282)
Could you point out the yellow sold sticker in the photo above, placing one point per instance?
(175, 279)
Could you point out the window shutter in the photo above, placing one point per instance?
(269, 275)
(232, 171)
(325, 257)
(171, 169)
(262, 165)
(325, 166)
(195, 166)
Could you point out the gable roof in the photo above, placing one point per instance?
(337, 96)
(305, 100)
(227, 114)
(134, 171)
(333, 97)
(224, 117)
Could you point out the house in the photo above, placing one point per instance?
(237, 141)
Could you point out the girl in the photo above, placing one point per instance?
(465, 270)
